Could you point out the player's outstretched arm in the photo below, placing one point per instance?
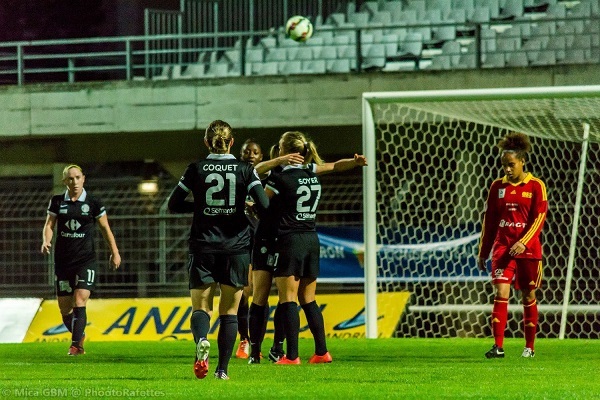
(265, 166)
(344, 164)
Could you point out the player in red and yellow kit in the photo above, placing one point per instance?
(514, 217)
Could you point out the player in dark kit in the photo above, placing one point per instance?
(262, 274)
(74, 215)
(264, 254)
(219, 243)
(514, 217)
(251, 152)
(295, 194)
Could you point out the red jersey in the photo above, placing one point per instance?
(513, 213)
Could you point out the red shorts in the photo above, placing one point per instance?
(525, 272)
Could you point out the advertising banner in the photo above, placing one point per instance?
(15, 317)
(169, 318)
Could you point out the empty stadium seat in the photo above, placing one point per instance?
(276, 54)
(545, 57)
(494, 60)
(374, 57)
(194, 71)
(517, 59)
(290, 67)
(313, 67)
(267, 68)
(339, 66)
(512, 9)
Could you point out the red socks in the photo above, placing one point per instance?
(499, 317)
(530, 321)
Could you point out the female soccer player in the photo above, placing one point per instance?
(251, 152)
(290, 248)
(514, 217)
(74, 214)
(219, 243)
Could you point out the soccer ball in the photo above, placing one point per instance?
(298, 28)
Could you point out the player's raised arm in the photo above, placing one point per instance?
(288, 159)
(344, 164)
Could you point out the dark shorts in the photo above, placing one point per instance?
(69, 279)
(226, 269)
(297, 255)
(525, 273)
(263, 254)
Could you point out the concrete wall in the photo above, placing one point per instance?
(164, 120)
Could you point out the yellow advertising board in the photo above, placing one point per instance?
(169, 318)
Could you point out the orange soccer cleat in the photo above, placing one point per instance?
(325, 358)
(286, 361)
(243, 350)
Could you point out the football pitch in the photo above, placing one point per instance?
(371, 369)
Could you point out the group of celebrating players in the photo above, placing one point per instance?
(254, 222)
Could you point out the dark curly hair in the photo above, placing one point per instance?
(516, 142)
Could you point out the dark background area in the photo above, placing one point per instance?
(25, 20)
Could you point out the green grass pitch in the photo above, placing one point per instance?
(370, 369)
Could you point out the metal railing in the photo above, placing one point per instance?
(154, 56)
(151, 240)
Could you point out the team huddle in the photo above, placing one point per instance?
(254, 222)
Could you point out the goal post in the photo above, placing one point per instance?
(432, 157)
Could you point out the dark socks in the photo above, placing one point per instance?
(68, 321)
(78, 325)
(314, 317)
(279, 335)
(256, 328)
(242, 317)
(226, 339)
(291, 322)
(200, 324)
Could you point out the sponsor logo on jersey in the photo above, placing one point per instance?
(510, 224)
(213, 211)
(306, 216)
(527, 195)
(63, 211)
(513, 192)
(73, 235)
(73, 224)
(501, 193)
(85, 208)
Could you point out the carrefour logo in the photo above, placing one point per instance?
(73, 224)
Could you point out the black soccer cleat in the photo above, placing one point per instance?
(495, 352)
(275, 355)
(253, 360)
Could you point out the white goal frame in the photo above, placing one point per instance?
(369, 139)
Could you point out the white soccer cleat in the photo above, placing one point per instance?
(528, 353)
(201, 364)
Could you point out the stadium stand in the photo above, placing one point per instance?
(394, 35)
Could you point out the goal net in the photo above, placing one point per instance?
(433, 157)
